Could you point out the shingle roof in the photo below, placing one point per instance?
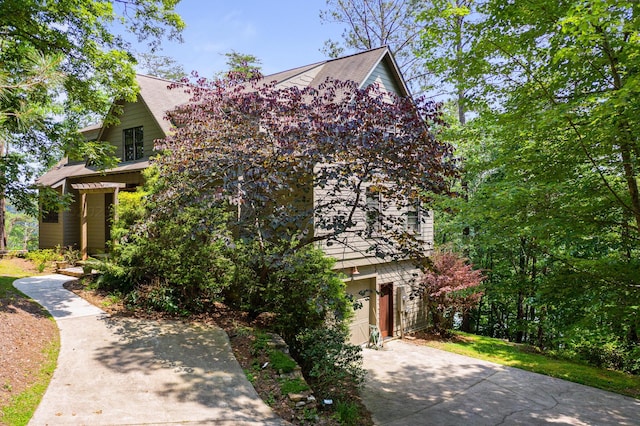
(158, 98)
(156, 95)
(356, 67)
(282, 76)
(64, 170)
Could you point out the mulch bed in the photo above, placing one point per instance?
(26, 331)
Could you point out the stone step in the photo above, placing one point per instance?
(75, 272)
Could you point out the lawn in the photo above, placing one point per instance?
(527, 358)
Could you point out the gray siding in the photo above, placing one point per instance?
(95, 223)
(352, 247)
(70, 234)
(50, 234)
(72, 221)
(383, 76)
(362, 291)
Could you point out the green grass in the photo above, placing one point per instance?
(9, 272)
(281, 362)
(526, 358)
(22, 406)
(295, 385)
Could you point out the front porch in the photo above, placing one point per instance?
(85, 189)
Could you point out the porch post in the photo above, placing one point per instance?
(116, 191)
(83, 225)
(114, 219)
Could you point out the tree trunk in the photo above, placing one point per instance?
(627, 139)
(3, 232)
(4, 147)
(520, 319)
(460, 72)
(466, 322)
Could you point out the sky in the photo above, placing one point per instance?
(283, 34)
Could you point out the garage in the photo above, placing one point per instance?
(362, 292)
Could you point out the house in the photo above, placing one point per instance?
(380, 286)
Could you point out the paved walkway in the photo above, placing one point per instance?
(124, 371)
(409, 384)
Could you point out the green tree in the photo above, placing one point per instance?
(62, 62)
(26, 127)
(551, 167)
(243, 66)
(444, 46)
(160, 66)
(266, 147)
(370, 24)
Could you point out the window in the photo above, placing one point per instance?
(133, 143)
(50, 217)
(414, 217)
(373, 211)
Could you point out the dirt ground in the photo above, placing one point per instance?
(26, 331)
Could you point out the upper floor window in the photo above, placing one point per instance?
(414, 218)
(133, 143)
(373, 211)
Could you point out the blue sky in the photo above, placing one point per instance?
(283, 34)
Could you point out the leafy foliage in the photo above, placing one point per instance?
(43, 257)
(61, 64)
(551, 174)
(161, 66)
(450, 288)
(178, 260)
(444, 46)
(376, 23)
(22, 231)
(242, 65)
(329, 361)
(267, 149)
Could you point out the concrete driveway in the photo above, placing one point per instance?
(117, 371)
(410, 384)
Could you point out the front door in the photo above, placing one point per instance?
(386, 310)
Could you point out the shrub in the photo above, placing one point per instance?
(299, 287)
(609, 354)
(42, 257)
(347, 413)
(329, 361)
(451, 287)
(174, 256)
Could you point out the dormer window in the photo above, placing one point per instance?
(133, 143)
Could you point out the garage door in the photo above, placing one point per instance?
(363, 316)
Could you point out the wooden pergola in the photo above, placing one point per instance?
(93, 188)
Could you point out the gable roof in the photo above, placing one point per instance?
(65, 169)
(356, 67)
(158, 98)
